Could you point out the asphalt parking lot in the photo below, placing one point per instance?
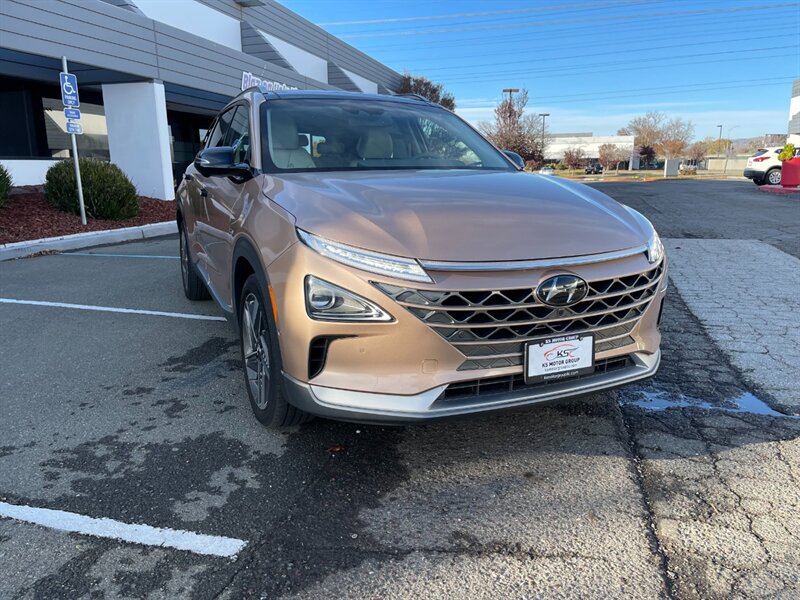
(687, 486)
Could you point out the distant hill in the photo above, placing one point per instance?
(750, 144)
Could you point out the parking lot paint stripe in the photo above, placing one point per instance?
(210, 545)
(111, 255)
(134, 311)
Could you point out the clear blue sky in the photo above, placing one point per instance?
(591, 64)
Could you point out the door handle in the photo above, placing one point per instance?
(203, 192)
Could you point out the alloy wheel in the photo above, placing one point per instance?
(774, 177)
(256, 350)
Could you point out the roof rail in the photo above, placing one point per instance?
(252, 88)
(417, 96)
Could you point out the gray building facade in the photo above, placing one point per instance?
(151, 74)
(794, 109)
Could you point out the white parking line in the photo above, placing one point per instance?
(113, 255)
(198, 543)
(135, 311)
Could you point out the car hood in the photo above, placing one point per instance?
(457, 215)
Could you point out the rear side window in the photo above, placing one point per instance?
(760, 152)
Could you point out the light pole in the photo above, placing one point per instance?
(544, 116)
(719, 142)
(510, 91)
(728, 146)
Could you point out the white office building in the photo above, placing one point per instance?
(558, 143)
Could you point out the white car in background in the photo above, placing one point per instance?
(764, 167)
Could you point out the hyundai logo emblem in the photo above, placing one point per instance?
(562, 290)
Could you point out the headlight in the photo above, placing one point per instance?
(655, 249)
(328, 302)
(366, 260)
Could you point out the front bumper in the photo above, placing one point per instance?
(410, 369)
(432, 404)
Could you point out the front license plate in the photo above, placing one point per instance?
(560, 357)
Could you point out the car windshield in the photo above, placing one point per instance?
(339, 134)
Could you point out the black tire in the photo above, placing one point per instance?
(773, 176)
(261, 360)
(193, 286)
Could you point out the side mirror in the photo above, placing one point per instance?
(515, 158)
(219, 162)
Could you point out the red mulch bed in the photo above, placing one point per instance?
(28, 216)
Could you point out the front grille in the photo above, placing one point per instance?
(513, 383)
(491, 327)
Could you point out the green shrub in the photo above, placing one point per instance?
(5, 185)
(107, 191)
(787, 153)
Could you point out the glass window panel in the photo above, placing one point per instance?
(94, 141)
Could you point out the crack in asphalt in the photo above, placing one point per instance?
(690, 428)
(717, 430)
(482, 550)
(625, 431)
(739, 500)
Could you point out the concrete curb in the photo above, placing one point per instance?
(86, 240)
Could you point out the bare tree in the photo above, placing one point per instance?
(717, 146)
(647, 130)
(621, 155)
(607, 155)
(435, 92)
(653, 130)
(573, 157)
(612, 154)
(513, 129)
(697, 151)
(675, 137)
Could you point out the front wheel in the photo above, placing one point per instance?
(261, 360)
